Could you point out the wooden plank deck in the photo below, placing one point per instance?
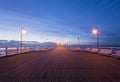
(59, 65)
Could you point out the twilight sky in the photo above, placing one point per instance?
(46, 20)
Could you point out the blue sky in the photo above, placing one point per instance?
(46, 20)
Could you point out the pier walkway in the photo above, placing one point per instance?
(59, 65)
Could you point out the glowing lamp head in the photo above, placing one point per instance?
(95, 31)
(66, 40)
(53, 40)
(24, 30)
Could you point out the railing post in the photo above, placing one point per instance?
(30, 49)
(6, 50)
(40, 48)
(34, 48)
(24, 49)
(17, 50)
(111, 48)
(21, 50)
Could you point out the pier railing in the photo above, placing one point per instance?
(112, 48)
(107, 48)
(7, 51)
(84, 48)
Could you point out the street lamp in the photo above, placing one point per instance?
(78, 41)
(95, 31)
(66, 43)
(23, 31)
(53, 43)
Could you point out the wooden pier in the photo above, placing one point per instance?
(59, 65)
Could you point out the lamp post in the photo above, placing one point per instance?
(66, 43)
(23, 31)
(78, 41)
(53, 43)
(95, 31)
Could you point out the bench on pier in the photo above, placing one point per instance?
(2, 53)
(106, 52)
(24, 50)
(116, 54)
(11, 52)
(31, 49)
(88, 49)
(94, 50)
